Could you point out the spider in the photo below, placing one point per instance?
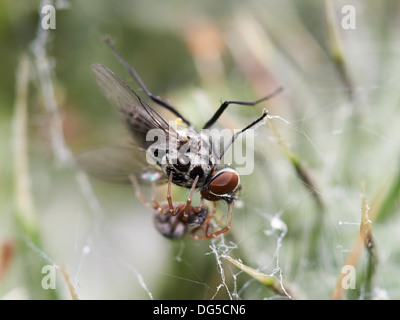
(172, 225)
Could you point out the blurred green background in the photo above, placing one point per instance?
(299, 214)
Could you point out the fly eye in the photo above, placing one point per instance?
(224, 183)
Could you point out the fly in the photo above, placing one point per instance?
(185, 157)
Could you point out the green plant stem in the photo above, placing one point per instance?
(23, 212)
(364, 239)
(26, 224)
(266, 280)
(337, 52)
(369, 244)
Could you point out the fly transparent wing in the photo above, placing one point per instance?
(116, 164)
(139, 117)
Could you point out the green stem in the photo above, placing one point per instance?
(26, 224)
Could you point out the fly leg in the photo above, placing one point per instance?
(225, 105)
(136, 76)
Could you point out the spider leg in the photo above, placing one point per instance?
(153, 194)
(189, 200)
(206, 225)
(141, 197)
(198, 209)
(172, 211)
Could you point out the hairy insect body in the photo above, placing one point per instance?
(192, 159)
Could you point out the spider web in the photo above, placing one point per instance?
(124, 248)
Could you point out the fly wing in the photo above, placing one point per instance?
(137, 114)
(115, 164)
